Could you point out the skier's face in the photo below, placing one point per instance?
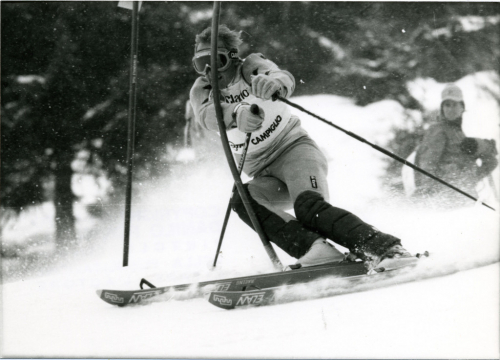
(452, 110)
(226, 75)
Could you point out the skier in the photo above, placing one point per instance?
(446, 152)
(288, 168)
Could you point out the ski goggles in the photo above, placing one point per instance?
(202, 60)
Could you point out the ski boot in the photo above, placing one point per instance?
(394, 257)
(321, 252)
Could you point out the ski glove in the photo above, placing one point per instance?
(248, 117)
(478, 147)
(264, 86)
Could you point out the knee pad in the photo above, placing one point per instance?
(307, 205)
(334, 223)
(340, 225)
(239, 207)
(290, 236)
(237, 202)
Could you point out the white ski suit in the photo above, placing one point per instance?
(281, 157)
(288, 168)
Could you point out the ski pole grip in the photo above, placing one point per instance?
(254, 109)
(276, 96)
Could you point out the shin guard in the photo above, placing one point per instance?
(290, 236)
(339, 225)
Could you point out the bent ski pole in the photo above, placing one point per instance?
(228, 210)
(225, 145)
(382, 150)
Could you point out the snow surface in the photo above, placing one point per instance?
(175, 228)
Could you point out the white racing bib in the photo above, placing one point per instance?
(277, 115)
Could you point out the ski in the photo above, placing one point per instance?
(260, 281)
(345, 269)
(326, 287)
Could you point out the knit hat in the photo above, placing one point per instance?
(452, 92)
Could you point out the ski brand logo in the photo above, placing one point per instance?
(237, 98)
(268, 132)
(314, 184)
(251, 299)
(245, 282)
(222, 286)
(222, 300)
(143, 296)
(236, 147)
(114, 298)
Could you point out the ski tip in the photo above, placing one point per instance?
(99, 292)
(221, 300)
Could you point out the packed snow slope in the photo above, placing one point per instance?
(175, 228)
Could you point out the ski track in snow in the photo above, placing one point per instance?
(175, 228)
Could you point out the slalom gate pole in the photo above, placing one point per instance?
(382, 150)
(225, 143)
(131, 127)
(228, 210)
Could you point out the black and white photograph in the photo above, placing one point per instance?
(250, 180)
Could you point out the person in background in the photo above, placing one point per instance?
(446, 152)
(288, 169)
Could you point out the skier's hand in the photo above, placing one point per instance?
(249, 118)
(264, 86)
(469, 146)
(478, 147)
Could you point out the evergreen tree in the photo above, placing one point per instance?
(65, 72)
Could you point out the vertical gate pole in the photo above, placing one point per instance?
(131, 127)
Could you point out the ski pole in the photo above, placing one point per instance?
(382, 150)
(225, 144)
(255, 110)
(228, 210)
